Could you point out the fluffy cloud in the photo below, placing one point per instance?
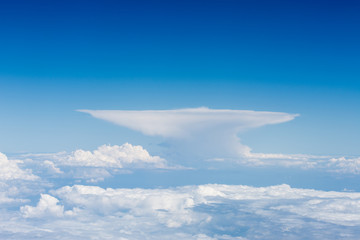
(10, 170)
(199, 132)
(96, 164)
(210, 211)
(124, 156)
(46, 207)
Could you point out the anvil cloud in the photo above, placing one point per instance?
(183, 122)
(197, 132)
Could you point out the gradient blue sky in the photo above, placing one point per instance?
(66, 174)
(297, 57)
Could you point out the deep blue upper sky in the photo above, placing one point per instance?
(292, 56)
(276, 41)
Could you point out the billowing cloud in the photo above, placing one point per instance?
(211, 211)
(46, 207)
(203, 132)
(124, 156)
(10, 170)
(94, 166)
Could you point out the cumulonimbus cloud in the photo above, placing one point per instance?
(202, 132)
(185, 122)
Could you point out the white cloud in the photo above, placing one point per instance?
(90, 174)
(9, 194)
(169, 207)
(303, 161)
(116, 156)
(211, 135)
(4, 198)
(124, 156)
(345, 165)
(210, 211)
(46, 207)
(183, 122)
(197, 132)
(51, 167)
(10, 170)
(94, 166)
(104, 162)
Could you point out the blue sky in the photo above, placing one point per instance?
(292, 57)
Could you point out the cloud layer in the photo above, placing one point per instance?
(210, 211)
(52, 207)
(96, 165)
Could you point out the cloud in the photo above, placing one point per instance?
(106, 161)
(345, 164)
(304, 161)
(183, 122)
(7, 194)
(46, 207)
(51, 167)
(124, 156)
(94, 166)
(211, 135)
(90, 174)
(202, 132)
(9, 170)
(212, 211)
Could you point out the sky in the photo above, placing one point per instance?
(191, 105)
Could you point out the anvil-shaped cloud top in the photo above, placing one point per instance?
(184, 122)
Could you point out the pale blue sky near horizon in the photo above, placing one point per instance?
(40, 116)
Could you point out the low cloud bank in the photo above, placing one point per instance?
(210, 211)
(98, 164)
